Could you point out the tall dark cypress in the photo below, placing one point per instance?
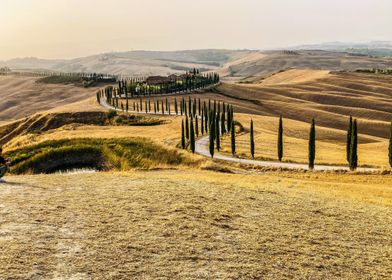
(232, 130)
(280, 139)
(192, 136)
(199, 107)
(175, 106)
(212, 136)
(222, 123)
(197, 127)
(217, 132)
(252, 140)
(182, 135)
(348, 142)
(187, 127)
(312, 145)
(354, 147)
(390, 147)
(206, 126)
(228, 118)
(189, 106)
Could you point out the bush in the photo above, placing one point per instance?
(111, 114)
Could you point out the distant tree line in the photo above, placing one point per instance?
(159, 85)
(376, 71)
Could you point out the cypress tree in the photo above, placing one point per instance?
(252, 140)
(197, 127)
(212, 136)
(390, 147)
(228, 119)
(192, 136)
(189, 106)
(199, 107)
(202, 124)
(206, 126)
(163, 108)
(222, 123)
(217, 132)
(354, 147)
(232, 130)
(312, 145)
(348, 143)
(182, 135)
(280, 139)
(187, 127)
(167, 104)
(175, 106)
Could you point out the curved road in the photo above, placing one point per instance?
(201, 148)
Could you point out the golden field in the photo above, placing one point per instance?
(187, 224)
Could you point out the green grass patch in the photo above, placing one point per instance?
(100, 154)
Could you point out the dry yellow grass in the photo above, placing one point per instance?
(196, 225)
(21, 96)
(295, 76)
(168, 133)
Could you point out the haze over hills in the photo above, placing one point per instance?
(133, 62)
(232, 64)
(374, 48)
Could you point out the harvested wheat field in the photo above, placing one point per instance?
(196, 225)
(21, 96)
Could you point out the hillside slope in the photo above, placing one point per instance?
(274, 61)
(21, 96)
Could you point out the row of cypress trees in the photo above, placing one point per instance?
(138, 87)
(215, 119)
(351, 146)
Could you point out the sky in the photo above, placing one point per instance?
(75, 28)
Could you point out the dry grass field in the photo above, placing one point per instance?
(21, 96)
(187, 224)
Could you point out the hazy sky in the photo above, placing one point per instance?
(73, 28)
